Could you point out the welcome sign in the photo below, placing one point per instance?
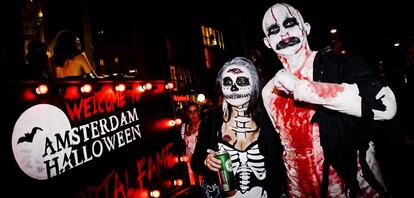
(116, 140)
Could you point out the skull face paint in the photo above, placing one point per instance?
(236, 85)
(285, 29)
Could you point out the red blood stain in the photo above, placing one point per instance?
(327, 90)
(296, 131)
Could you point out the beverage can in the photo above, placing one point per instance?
(226, 176)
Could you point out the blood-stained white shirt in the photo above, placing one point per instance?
(303, 156)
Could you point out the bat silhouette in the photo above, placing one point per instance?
(28, 137)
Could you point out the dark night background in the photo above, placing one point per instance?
(136, 31)
(367, 28)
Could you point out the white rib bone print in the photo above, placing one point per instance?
(245, 163)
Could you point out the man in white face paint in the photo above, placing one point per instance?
(242, 128)
(320, 102)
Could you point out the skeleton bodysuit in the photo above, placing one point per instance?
(240, 134)
(250, 139)
(248, 164)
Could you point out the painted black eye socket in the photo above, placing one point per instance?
(290, 22)
(273, 29)
(242, 81)
(227, 81)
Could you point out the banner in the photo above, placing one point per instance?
(96, 139)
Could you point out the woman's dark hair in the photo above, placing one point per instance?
(65, 47)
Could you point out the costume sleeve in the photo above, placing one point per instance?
(183, 130)
(200, 151)
(354, 90)
(378, 101)
(340, 97)
(373, 101)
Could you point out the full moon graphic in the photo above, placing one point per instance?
(31, 130)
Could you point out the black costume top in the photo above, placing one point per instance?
(342, 135)
(268, 143)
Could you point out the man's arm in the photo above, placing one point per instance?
(359, 100)
(346, 98)
(86, 66)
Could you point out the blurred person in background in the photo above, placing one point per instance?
(37, 62)
(68, 57)
(189, 133)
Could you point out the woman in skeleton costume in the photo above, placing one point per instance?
(323, 105)
(242, 127)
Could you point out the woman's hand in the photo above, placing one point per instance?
(211, 162)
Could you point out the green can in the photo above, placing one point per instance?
(227, 179)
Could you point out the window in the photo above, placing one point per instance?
(212, 39)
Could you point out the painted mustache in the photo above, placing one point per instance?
(287, 43)
(236, 96)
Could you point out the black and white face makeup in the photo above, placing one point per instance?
(236, 85)
(285, 29)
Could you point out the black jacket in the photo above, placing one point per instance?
(343, 135)
(269, 146)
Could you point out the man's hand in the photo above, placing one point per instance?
(285, 81)
(385, 106)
